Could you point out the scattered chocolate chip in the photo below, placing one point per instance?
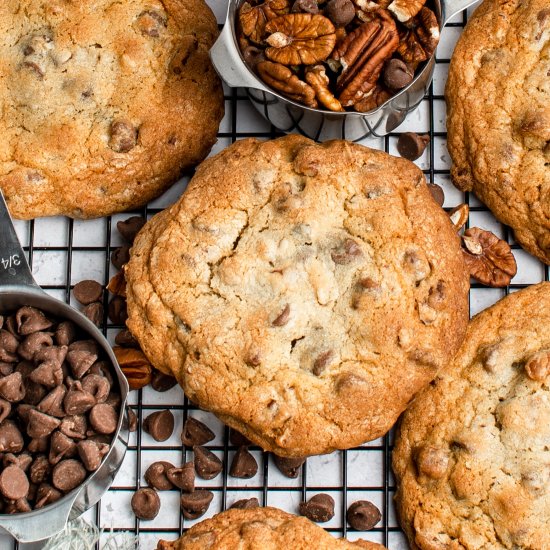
(290, 467)
(340, 12)
(195, 504)
(195, 432)
(132, 420)
(245, 504)
(87, 292)
(363, 515)
(244, 465)
(397, 74)
(238, 439)
(411, 146)
(207, 464)
(156, 475)
(145, 503)
(94, 312)
(305, 6)
(68, 474)
(120, 256)
(14, 483)
(183, 478)
(104, 418)
(319, 508)
(130, 228)
(118, 312)
(162, 382)
(159, 425)
(437, 193)
(125, 338)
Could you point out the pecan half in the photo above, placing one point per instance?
(405, 9)
(117, 284)
(300, 38)
(253, 19)
(459, 215)
(495, 265)
(362, 54)
(419, 42)
(317, 78)
(134, 365)
(283, 80)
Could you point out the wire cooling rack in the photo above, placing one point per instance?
(62, 252)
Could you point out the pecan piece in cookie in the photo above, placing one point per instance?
(300, 38)
(489, 259)
(362, 54)
(151, 23)
(419, 42)
(283, 80)
(253, 19)
(317, 78)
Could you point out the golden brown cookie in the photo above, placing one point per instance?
(472, 457)
(261, 529)
(498, 123)
(303, 293)
(104, 103)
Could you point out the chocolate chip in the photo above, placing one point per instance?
(14, 483)
(8, 347)
(88, 291)
(68, 474)
(411, 145)
(346, 252)
(207, 464)
(120, 256)
(30, 319)
(156, 475)
(340, 12)
(123, 136)
(283, 317)
(12, 388)
(52, 403)
(322, 362)
(195, 504)
(81, 360)
(162, 382)
(118, 312)
(159, 425)
(126, 339)
(290, 467)
(319, 508)
(94, 312)
(245, 504)
(130, 228)
(45, 495)
(47, 374)
(244, 465)
(305, 6)
(132, 420)
(183, 478)
(52, 354)
(96, 385)
(363, 515)
(23, 460)
(437, 193)
(397, 74)
(77, 400)
(146, 503)
(91, 453)
(74, 426)
(32, 344)
(61, 447)
(40, 469)
(65, 333)
(195, 432)
(5, 368)
(39, 445)
(40, 424)
(102, 368)
(5, 410)
(238, 439)
(104, 418)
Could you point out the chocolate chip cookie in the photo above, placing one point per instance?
(260, 529)
(472, 457)
(304, 293)
(498, 100)
(104, 103)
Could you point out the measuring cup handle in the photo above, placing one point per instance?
(451, 7)
(14, 269)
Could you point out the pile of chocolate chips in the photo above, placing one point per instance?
(59, 407)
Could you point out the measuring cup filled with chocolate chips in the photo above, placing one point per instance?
(344, 69)
(63, 425)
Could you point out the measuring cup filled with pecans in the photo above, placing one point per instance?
(333, 68)
(63, 422)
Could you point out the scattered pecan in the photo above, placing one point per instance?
(459, 216)
(418, 43)
(373, 99)
(405, 9)
(253, 19)
(282, 79)
(134, 365)
(117, 284)
(300, 38)
(317, 78)
(362, 54)
(489, 259)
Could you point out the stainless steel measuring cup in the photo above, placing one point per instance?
(18, 288)
(289, 116)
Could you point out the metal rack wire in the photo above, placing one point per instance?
(62, 252)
